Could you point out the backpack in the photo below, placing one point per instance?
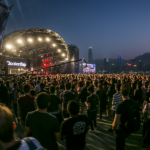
(133, 118)
(31, 145)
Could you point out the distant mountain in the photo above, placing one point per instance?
(144, 58)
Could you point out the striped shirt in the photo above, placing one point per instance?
(117, 98)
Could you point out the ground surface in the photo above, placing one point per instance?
(101, 139)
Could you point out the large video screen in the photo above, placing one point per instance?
(91, 68)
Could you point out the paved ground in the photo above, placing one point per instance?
(101, 139)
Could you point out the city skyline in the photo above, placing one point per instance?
(110, 27)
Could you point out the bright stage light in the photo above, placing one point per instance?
(39, 39)
(59, 50)
(66, 58)
(19, 41)
(63, 54)
(8, 46)
(30, 40)
(54, 45)
(47, 39)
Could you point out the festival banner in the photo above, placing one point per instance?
(4, 13)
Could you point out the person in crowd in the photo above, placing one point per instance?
(75, 128)
(124, 118)
(84, 95)
(146, 124)
(117, 98)
(43, 126)
(8, 86)
(55, 105)
(111, 92)
(57, 91)
(79, 89)
(101, 92)
(92, 103)
(32, 93)
(68, 95)
(3, 93)
(148, 93)
(7, 137)
(61, 88)
(15, 94)
(138, 94)
(74, 91)
(9, 93)
(132, 90)
(25, 104)
(12, 84)
(42, 86)
(95, 86)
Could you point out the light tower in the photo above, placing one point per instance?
(90, 55)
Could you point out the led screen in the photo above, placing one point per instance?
(91, 68)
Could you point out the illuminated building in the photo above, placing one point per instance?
(120, 60)
(90, 56)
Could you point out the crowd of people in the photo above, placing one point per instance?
(57, 107)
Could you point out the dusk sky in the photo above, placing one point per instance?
(111, 27)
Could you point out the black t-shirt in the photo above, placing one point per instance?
(138, 95)
(75, 131)
(122, 109)
(3, 93)
(102, 97)
(54, 102)
(43, 126)
(111, 91)
(84, 94)
(93, 99)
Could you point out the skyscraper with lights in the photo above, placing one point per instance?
(90, 55)
(120, 60)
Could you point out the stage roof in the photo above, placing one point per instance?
(44, 42)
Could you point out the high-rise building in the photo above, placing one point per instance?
(90, 55)
(120, 60)
(140, 65)
(74, 55)
(106, 64)
(133, 61)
